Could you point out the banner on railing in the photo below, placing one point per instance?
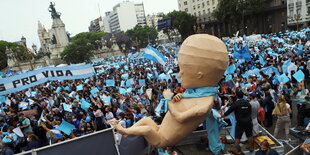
(33, 78)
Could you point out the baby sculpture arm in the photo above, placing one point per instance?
(183, 116)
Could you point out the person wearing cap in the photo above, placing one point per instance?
(255, 106)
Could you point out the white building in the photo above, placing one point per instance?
(125, 16)
(298, 11)
(202, 9)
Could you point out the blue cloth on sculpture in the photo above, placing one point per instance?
(200, 92)
(214, 126)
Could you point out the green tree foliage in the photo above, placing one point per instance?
(183, 22)
(19, 52)
(142, 34)
(81, 47)
(234, 11)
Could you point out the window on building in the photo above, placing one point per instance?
(198, 6)
(209, 10)
(298, 11)
(212, 2)
(291, 15)
(186, 9)
(185, 3)
(195, 14)
(203, 4)
(194, 7)
(193, 1)
(208, 3)
(199, 13)
(308, 11)
(204, 11)
(213, 8)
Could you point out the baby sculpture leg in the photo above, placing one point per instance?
(145, 127)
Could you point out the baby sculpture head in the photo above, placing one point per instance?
(203, 60)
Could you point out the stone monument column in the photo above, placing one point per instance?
(58, 34)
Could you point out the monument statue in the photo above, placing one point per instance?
(203, 60)
(53, 11)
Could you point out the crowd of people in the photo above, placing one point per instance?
(260, 82)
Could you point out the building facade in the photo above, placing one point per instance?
(152, 21)
(272, 19)
(202, 9)
(298, 13)
(96, 25)
(126, 15)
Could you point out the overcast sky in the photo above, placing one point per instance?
(20, 17)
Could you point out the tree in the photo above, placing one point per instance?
(122, 39)
(230, 11)
(181, 21)
(19, 52)
(81, 47)
(142, 34)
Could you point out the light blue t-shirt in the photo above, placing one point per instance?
(26, 121)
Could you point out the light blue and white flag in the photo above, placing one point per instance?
(152, 54)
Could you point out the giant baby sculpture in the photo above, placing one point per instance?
(202, 60)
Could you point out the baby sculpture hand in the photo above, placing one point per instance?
(167, 94)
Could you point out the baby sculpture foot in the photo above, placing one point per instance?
(118, 127)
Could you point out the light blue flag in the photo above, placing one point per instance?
(228, 77)
(122, 83)
(94, 92)
(152, 54)
(86, 81)
(85, 105)
(33, 93)
(110, 83)
(125, 76)
(162, 76)
(283, 78)
(285, 65)
(79, 87)
(107, 99)
(149, 75)
(58, 89)
(101, 71)
(142, 82)
(141, 91)
(230, 69)
(66, 127)
(122, 91)
(66, 107)
(67, 88)
(261, 60)
(299, 76)
(6, 140)
(126, 67)
(128, 84)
